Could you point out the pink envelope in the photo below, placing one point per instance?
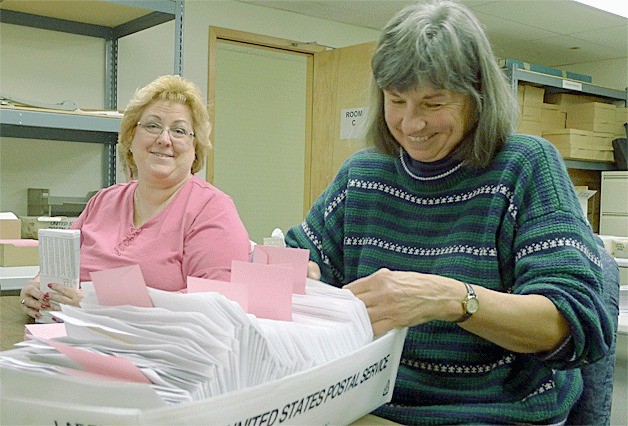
(269, 289)
(296, 258)
(121, 286)
(110, 366)
(233, 291)
(44, 331)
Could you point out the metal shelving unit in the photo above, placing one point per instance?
(106, 19)
(554, 84)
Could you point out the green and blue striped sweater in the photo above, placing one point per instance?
(515, 226)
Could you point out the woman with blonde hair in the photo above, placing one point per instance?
(165, 219)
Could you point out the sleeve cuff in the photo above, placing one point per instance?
(564, 351)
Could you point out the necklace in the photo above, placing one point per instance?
(141, 216)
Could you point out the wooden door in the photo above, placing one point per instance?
(335, 80)
(259, 94)
(341, 92)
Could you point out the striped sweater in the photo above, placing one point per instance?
(515, 226)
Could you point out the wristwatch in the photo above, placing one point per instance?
(470, 304)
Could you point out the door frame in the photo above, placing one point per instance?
(218, 34)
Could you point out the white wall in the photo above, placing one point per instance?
(50, 66)
(612, 73)
(201, 14)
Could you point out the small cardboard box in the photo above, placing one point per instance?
(529, 127)
(567, 138)
(592, 126)
(565, 99)
(532, 95)
(533, 113)
(339, 392)
(590, 112)
(32, 224)
(9, 226)
(578, 145)
(19, 253)
(603, 141)
(552, 118)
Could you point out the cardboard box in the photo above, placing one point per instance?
(529, 127)
(575, 138)
(594, 116)
(578, 145)
(338, 392)
(565, 99)
(587, 155)
(19, 253)
(32, 224)
(9, 226)
(603, 141)
(621, 118)
(592, 126)
(533, 113)
(552, 118)
(530, 95)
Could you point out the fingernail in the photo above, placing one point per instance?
(46, 295)
(37, 315)
(49, 285)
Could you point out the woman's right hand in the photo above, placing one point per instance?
(33, 299)
(313, 271)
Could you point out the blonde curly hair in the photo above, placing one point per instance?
(171, 88)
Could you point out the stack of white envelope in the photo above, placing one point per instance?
(195, 346)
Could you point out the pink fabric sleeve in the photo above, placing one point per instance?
(216, 238)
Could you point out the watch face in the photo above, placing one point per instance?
(472, 306)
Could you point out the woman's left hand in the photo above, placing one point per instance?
(396, 299)
(64, 295)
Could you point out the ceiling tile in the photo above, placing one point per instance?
(558, 16)
(497, 28)
(614, 37)
(529, 30)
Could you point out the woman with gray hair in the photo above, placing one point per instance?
(461, 230)
(165, 219)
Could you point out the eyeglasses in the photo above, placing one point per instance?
(157, 129)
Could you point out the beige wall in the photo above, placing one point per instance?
(50, 67)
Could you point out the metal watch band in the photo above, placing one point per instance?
(470, 295)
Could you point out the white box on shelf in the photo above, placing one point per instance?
(16, 277)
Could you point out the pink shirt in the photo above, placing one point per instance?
(197, 234)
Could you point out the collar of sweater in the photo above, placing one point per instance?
(431, 171)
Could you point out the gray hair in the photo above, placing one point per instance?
(441, 44)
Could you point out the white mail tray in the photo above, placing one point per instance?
(338, 392)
